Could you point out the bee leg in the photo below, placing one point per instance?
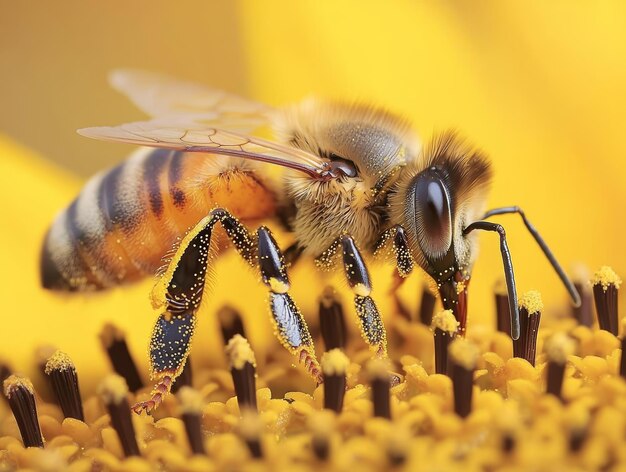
(508, 270)
(169, 348)
(372, 328)
(291, 328)
(179, 293)
(394, 243)
(180, 290)
(544, 247)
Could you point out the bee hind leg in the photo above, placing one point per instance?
(169, 348)
(180, 291)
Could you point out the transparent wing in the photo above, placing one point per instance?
(172, 133)
(159, 96)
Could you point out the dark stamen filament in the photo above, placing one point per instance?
(332, 321)
(21, 396)
(380, 380)
(558, 348)
(61, 372)
(605, 286)
(445, 327)
(114, 343)
(577, 419)
(113, 391)
(584, 313)
(334, 366)
(185, 377)
(463, 355)
(230, 322)
(191, 408)
(503, 317)
(427, 306)
(250, 429)
(622, 364)
(243, 371)
(530, 306)
(322, 426)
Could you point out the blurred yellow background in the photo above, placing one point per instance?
(539, 86)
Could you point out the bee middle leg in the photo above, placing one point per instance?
(357, 275)
(179, 291)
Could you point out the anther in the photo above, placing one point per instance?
(114, 343)
(20, 394)
(463, 356)
(334, 366)
(191, 404)
(558, 348)
(530, 306)
(243, 370)
(113, 391)
(445, 327)
(605, 284)
(61, 372)
(332, 321)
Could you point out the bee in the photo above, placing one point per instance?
(355, 179)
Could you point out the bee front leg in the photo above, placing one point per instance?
(357, 275)
(393, 241)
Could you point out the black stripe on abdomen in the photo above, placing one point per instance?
(152, 168)
(174, 174)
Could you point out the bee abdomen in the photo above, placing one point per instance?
(125, 220)
(89, 245)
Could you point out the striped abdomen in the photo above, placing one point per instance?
(125, 220)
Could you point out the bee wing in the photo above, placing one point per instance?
(179, 134)
(160, 95)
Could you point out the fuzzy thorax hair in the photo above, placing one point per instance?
(376, 142)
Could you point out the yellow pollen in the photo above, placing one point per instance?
(460, 287)
(278, 286)
(445, 321)
(606, 276)
(335, 362)
(464, 353)
(13, 382)
(59, 361)
(239, 352)
(559, 347)
(361, 290)
(191, 400)
(531, 301)
(113, 389)
(379, 368)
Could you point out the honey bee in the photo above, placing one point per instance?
(355, 178)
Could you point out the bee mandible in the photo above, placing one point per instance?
(355, 178)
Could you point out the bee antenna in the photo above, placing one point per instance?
(575, 296)
(508, 270)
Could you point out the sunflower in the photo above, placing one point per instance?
(540, 88)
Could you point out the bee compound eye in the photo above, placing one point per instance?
(433, 218)
(340, 166)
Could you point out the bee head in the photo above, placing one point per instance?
(435, 198)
